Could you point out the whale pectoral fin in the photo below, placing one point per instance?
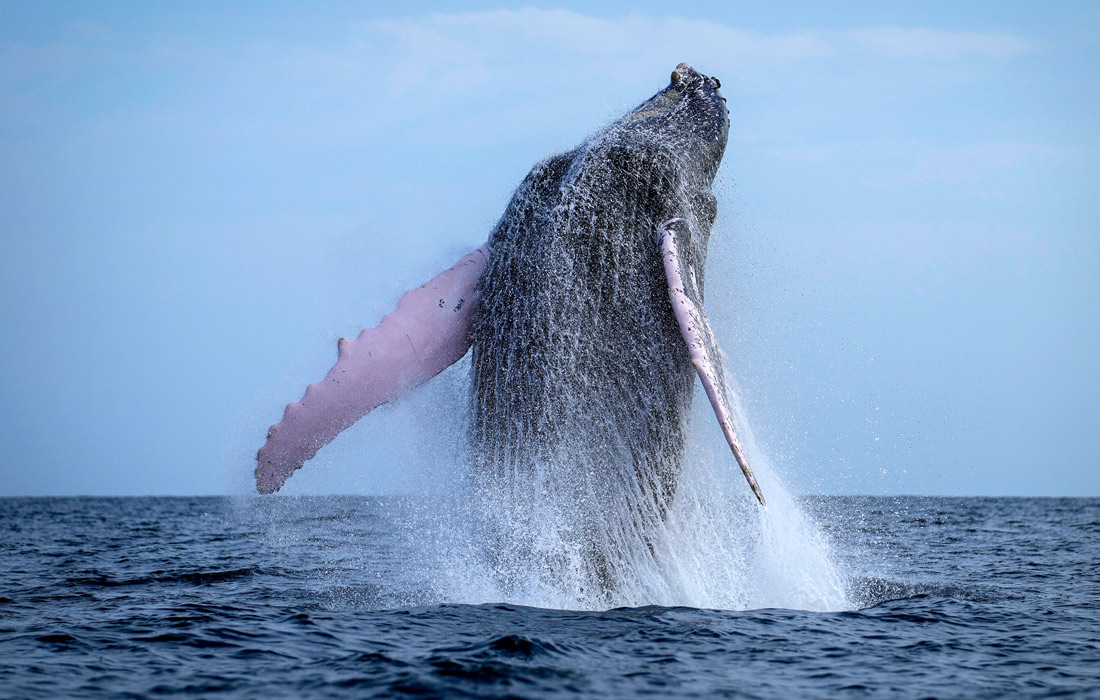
(428, 332)
(687, 304)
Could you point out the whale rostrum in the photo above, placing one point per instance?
(584, 310)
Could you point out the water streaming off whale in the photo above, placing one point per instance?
(583, 485)
(585, 318)
(715, 548)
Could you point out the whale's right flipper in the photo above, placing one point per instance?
(687, 303)
(429, 331)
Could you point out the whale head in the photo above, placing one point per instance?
(688, 117)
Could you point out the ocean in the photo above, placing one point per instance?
(356, 597)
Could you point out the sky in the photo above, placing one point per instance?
(197, 201)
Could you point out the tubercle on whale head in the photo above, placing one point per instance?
(684, 74)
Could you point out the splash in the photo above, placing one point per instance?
(546, 543)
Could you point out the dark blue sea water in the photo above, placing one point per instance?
(317, 597)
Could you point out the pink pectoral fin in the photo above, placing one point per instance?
(687, 303)
(428, 332)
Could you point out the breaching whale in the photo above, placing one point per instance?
(584, 311)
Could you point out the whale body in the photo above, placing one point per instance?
(584, 312)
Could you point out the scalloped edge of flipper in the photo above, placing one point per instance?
(427, 332)
(702, 347)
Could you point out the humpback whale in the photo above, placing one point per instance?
(584, 311)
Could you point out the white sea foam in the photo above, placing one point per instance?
(531, 541)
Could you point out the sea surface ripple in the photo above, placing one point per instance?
(316, 597)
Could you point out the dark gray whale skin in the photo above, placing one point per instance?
(577, 357)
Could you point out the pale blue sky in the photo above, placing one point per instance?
(196, 202)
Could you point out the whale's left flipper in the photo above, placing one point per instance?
(687, 303)
(428, 332)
